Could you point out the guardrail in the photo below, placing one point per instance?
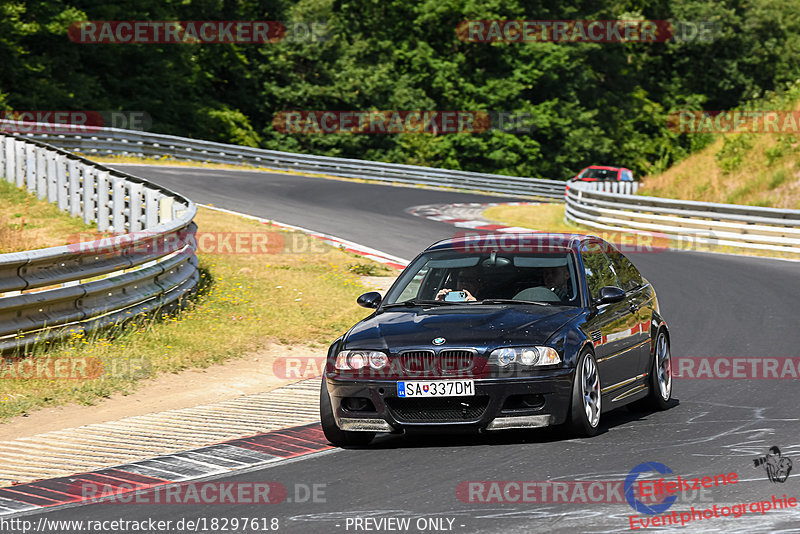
(149, 266)
(708, 223)
(113, 141)
(622, 188)
(601, 205)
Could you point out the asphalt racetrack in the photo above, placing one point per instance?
(715, 305)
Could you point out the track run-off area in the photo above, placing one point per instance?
(716, 306)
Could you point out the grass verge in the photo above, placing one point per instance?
(539, 217)
(757, 169)
(28, 223)
(303, 293)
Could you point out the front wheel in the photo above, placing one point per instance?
(332, 432)
(584, 418)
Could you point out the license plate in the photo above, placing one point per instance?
(436, 388)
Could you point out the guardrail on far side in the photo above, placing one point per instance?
(113, 141)
(749, 227)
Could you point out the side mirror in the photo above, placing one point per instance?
(609, 294)
(370, 300)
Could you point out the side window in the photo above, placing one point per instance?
(412, 289)
(597, 269)
(628, 275)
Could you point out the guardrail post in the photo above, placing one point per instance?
(74, 171)
(3, 139)
(150, 208)
(30, 168)
(62, 186)
(41, 173)
(118, 204)
(52, 178)
(165, 209)
(19, 159)
(135, 219)
(89, 195)
(103, 222)
(11, 161)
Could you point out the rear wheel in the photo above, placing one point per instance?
(584, 419)
(659, 378)
(332, 432)
(660, 374)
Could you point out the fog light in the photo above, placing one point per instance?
(357, 404)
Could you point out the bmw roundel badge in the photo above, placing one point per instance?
(439, 341)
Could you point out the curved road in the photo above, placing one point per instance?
(716, 305)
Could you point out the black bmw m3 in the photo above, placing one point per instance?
(500, 331)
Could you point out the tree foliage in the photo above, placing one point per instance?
(590, 103)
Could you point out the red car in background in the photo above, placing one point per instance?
(602, 173)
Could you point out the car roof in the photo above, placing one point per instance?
(514, 242)
(605, 167)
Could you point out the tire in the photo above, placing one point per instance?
(660, 379)
(586, 406)
(334, 434)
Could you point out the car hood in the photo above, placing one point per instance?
(461, 326)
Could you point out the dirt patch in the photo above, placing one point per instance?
(252, 373)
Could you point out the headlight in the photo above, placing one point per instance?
(353, 360)
(504, 357)
(527, 356)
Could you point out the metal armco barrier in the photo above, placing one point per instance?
(687, 221)
(112, 141)
(149, 268)
(622, 188)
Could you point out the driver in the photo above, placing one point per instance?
(556, 279)
(469, 281)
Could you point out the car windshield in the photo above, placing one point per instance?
(599, 174)
(448, 276)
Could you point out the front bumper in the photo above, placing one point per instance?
(498, 404)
